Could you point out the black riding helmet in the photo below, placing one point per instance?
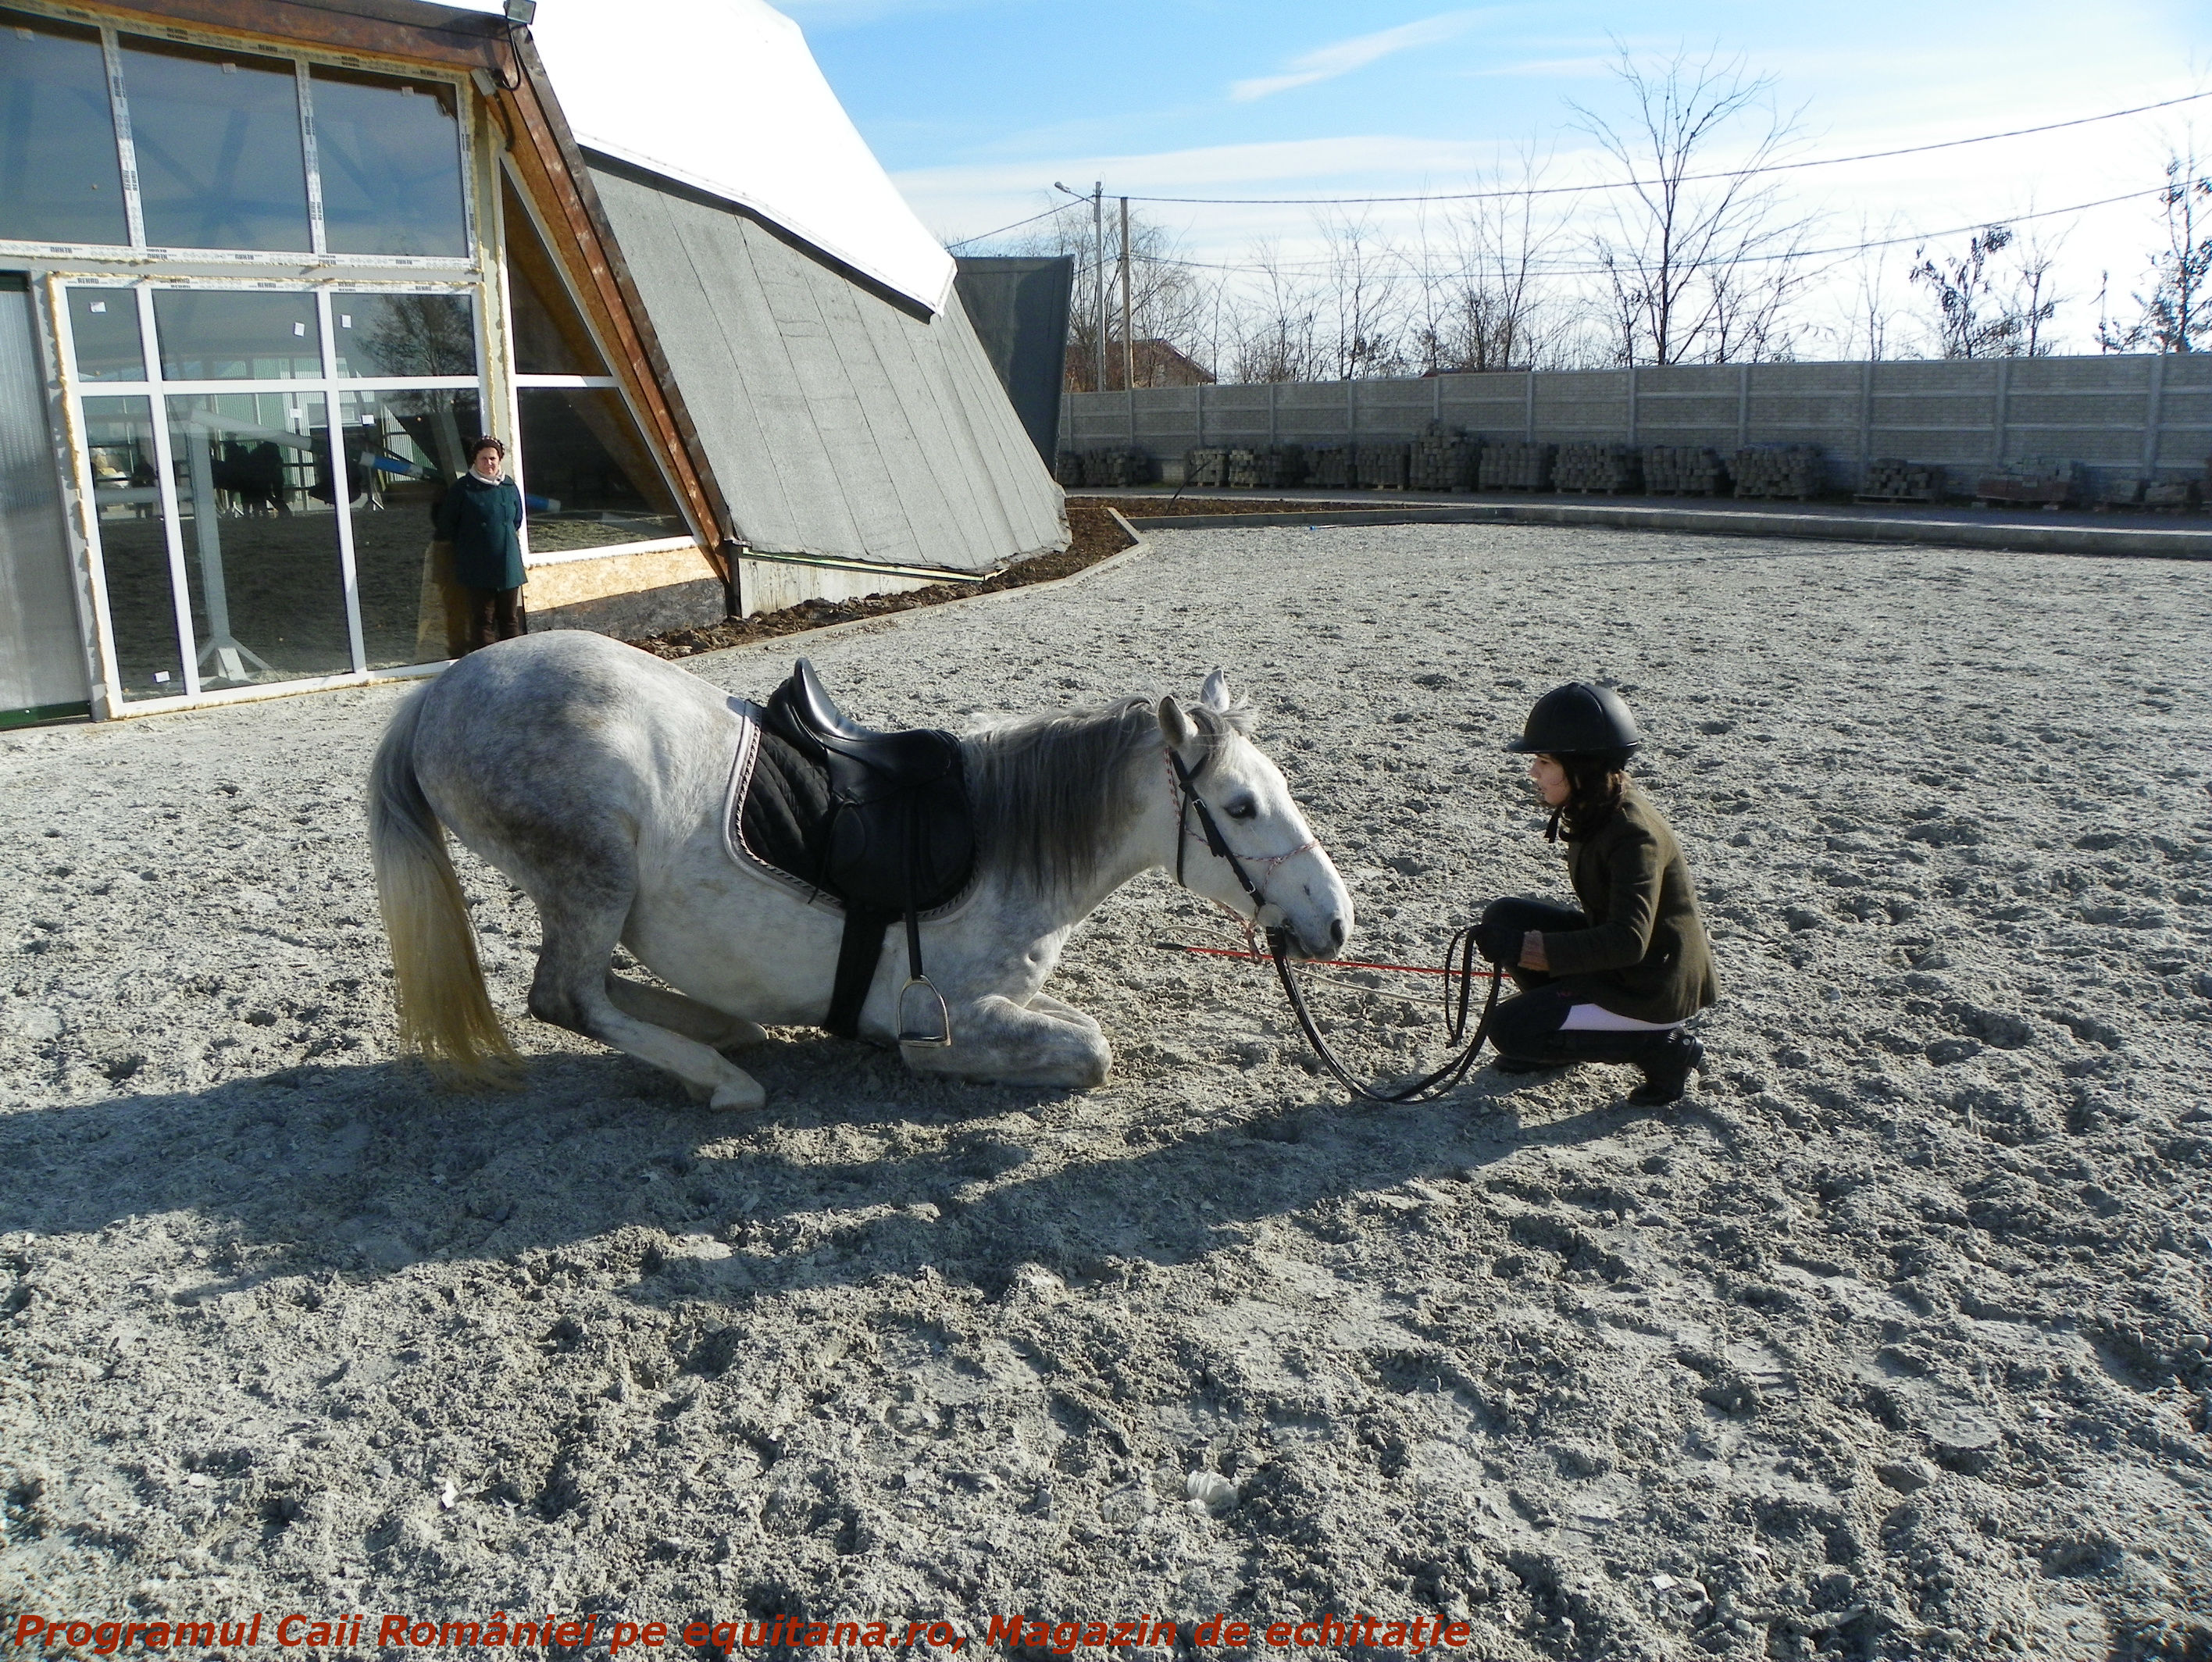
(1580, 719)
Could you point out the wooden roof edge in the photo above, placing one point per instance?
(546, 128)
(405, 29)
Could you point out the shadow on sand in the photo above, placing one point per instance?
(856, 1170)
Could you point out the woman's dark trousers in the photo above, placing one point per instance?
(494, 614)
(1526, 1028)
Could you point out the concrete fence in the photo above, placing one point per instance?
(2123, 416)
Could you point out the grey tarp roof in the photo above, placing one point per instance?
(836, 421)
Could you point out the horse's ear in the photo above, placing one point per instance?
(1175, 726)
(1215, 694)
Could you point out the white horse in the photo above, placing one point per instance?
(599, 780)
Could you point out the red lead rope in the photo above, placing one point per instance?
(1315, 963)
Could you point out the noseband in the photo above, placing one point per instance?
(1187, 799)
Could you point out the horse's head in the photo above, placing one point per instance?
(1251, 806)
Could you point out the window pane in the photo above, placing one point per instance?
(390, 154)
(134, 552)
(404, 448)
(237, 335)
(255, 492)
(549, 338)
(217, 139)
(60, 179)
(589, 479)
(104, 328)
(404, 334)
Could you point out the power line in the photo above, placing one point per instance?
(985, 236)
(1688, 179)
(1748, 259)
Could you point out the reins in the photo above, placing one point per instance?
(1458, 970)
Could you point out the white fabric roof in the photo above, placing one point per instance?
(723, 95)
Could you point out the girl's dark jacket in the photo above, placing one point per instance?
(1646, 955)
(480, 521)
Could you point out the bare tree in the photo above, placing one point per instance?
(1866, 325)
(2177, 314)
(1481, 301)
(2036, 297)
(1277, 324)
(1698, 268)
(1364, 310)
(1974, 317)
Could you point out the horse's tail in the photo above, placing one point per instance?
(438, 984)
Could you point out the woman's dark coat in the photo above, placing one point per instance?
(1646, 955)
(480, 521)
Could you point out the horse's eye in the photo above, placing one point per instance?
(1243, 809)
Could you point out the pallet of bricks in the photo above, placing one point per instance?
(2034, 482)
(2153, 496)
(1266, 467)
(1379, 466)
(1117, 467)
(1894, 480)
(1209, 468)
(1513, 465)
(1597, 469)
(1329, 466)
(1796, 472)
(1683, 471)
(1442, 459)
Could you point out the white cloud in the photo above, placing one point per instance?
(1327, 62)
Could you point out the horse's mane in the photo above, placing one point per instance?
(1054, 793)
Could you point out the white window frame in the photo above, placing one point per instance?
(317, 257)
(330, 385)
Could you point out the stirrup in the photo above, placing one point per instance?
(938, 1033)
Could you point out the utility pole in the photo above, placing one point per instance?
(1098, 250)
(1128, 335)
(1098, 241)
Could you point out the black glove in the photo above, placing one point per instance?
(1499, 944)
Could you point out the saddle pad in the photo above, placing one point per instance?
(779, 814)
(781, 817)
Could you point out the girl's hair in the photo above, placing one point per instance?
(1595, 784)
(484, 443)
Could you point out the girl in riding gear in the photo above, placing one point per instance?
(1615, 978)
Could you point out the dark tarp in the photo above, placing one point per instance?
(1019, 309)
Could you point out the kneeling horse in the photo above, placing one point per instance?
(604, 784)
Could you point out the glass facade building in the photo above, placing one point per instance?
(256, 297)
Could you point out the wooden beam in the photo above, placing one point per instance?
(379, 28)
(552, 165)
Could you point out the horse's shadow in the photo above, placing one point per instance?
(367, 1171)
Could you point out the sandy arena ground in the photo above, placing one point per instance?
(1891, 1343)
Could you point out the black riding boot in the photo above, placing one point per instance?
(1667, 1059)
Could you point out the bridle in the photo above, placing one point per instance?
(1459, 971)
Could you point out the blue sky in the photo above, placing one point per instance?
(976, 105)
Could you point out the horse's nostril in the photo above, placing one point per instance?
(1336, 932)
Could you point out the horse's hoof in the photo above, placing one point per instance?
(738, 1094)
(742, 1035)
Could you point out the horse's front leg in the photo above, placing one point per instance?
(1044, 1004)
(997, 1039)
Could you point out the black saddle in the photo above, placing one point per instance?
(897, 839)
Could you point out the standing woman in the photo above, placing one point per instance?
(1614, 979)
(481, 515)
